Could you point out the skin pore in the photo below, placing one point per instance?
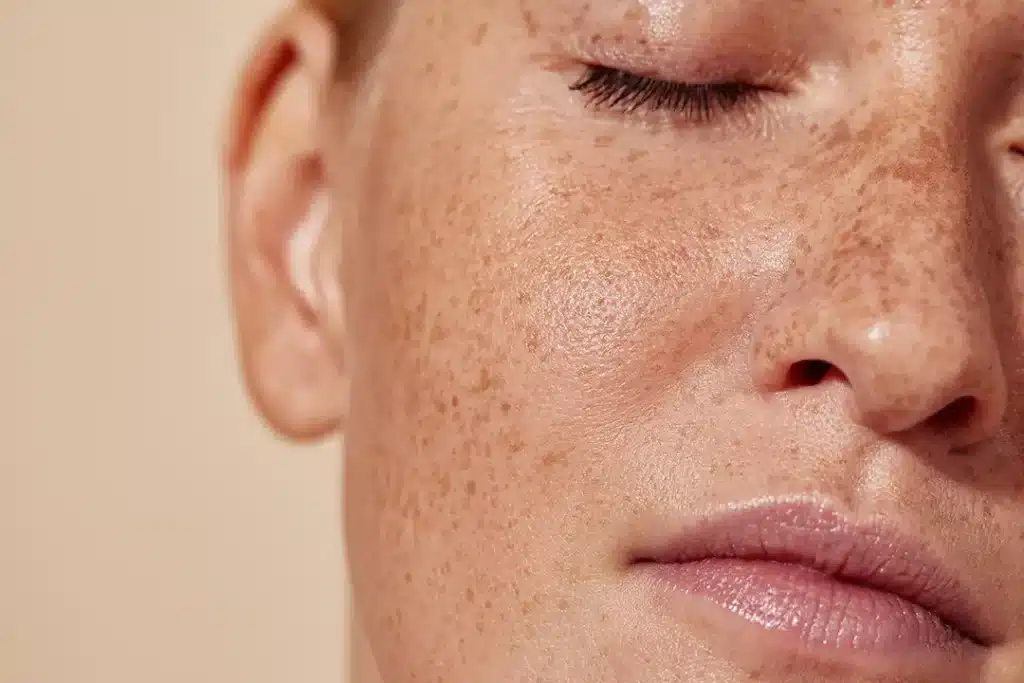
(559, 321)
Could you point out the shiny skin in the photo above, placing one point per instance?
(570, 329)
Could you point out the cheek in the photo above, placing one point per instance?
(502, 342)
(625, 274)
(510, 309)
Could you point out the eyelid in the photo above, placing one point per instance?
(692, 103)
(769, 69)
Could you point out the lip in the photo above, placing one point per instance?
(803, 570)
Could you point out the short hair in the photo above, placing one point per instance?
(361, 24)
(337, 10)
(347, 11)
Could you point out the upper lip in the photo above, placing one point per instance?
(814, 536)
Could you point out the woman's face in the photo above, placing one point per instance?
(686, 341)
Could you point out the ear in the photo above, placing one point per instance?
(284, 277)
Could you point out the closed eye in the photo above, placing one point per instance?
(699, 103)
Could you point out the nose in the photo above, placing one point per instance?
(890, 302)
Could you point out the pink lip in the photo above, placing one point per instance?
(803, 570)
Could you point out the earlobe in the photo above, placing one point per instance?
(278, 211)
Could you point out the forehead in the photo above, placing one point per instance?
(830, 32)
(653, 15)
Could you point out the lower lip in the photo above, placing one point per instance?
(819, 610)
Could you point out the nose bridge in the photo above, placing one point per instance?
(907, 240)
(889, 289)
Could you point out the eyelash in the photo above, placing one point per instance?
(698, 103)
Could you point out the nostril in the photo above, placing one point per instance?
(956, 414)
(808, 373)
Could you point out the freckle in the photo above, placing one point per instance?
(453, 205)
(470, 487)
(455, 401)
(636, 155)
(480, 34)
(664, 193)
(531, 23)
(485, 381)
(470, 596)
(840, 133)
(603, 140)
(476, 299)
(552, 459)
(874, 46)
(636, 13)
(408, 577)
(581, 16)
(532, 340)
(563, 158)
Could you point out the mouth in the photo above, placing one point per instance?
(804, 572)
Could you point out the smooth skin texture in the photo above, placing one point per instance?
(550, 331)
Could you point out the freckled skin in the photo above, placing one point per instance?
(567, 324)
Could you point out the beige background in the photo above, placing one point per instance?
(150, 529)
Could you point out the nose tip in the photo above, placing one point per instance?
(902, 375)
